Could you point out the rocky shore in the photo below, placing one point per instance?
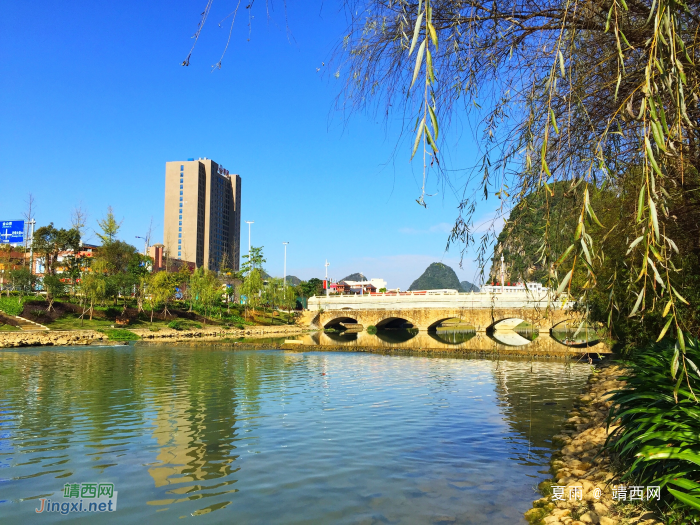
(86, 337)
(582, 473)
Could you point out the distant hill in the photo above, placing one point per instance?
(437, 276)
(469, 287)
(293, 280)
(355, 277)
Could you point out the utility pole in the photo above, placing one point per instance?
(249, 223)
(284, 282)
(328, 286)
(31, 248)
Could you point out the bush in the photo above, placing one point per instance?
(183, 324)
(658, 440)
(119, 334)
(12, 305)
(371, 329)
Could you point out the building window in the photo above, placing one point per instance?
(180, 184)
(181, 198)
(181, 221)
(180, 217)
(179, 235)
(182, 167)
(180, 228)
(181, 191)
(180, 206)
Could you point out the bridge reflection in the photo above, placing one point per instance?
(450, 340)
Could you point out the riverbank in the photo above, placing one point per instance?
(585, 478)
(17, 339)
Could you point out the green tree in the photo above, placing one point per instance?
(311, 287)
(53, 286)
(162, 288)
(22, 280)
(93, 287)
(253, 260)
(251, 287)
(49, 242)
(109, 227)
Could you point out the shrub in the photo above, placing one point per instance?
(12, 305)
(183, 324)
(119, 334)
(658, 439)
(371, 329)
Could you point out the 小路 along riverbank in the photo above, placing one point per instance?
(584, 487)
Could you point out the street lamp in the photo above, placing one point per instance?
(328, 286)
(145, 239)
(249, 223)
(284, 282)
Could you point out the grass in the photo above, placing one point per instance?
(71, 321)
(119, 334)
(9, 328)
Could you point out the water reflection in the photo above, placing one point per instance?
(452, 337)
(251, 436)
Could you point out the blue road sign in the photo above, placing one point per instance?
(11, 232)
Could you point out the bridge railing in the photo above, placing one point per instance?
(438, 299)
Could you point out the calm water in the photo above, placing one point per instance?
(214, 435)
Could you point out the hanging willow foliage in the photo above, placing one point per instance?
(599, 92)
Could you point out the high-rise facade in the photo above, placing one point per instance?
(202, 214)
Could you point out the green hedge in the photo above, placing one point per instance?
(183, 324)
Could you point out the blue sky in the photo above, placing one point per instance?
(95, 102)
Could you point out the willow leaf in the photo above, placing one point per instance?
(639, 302)
(434, 121)
(419, 61)
(564, 256)
(416, 32)
(680, 297)
(665, 329)
(640, 204)
(634, 243)
(566, 280)
(654, 219)
(419, 134)
(433, 34)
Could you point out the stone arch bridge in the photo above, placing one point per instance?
(424, 319)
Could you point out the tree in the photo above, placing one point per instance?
(251, 287)
(109, 226)
(162, 287)
(93, 287)
(22, 280)
(311, 287)
(289, 300)
(53, 286)
(253, 260)
(49, 242)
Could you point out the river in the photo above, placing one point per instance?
(217, 435)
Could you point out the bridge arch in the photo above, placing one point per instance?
(581, 342)
(447, 322)
(507, 323)
(396, 322)
(335, 321)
